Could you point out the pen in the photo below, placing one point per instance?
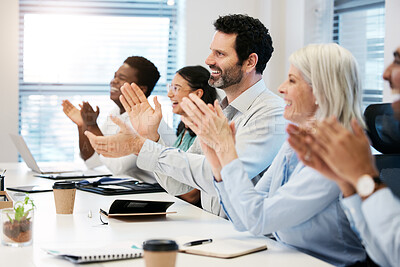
(197, 242)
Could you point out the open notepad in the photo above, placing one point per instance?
(83, 255)
(221, 248)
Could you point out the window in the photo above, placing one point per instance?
(71, 49)
(359, 26)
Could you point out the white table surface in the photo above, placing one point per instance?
(78, 230)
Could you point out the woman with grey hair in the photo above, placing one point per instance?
(292, 201)
(336, 86)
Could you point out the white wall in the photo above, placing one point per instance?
(272, 14)
(288, 20)
(8, 78)
(200, 16)
(392, 37)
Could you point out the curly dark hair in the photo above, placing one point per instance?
(197, 78)
(252, 37)
(147, 72)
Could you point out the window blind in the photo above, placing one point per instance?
(359, 26)
(71, 49)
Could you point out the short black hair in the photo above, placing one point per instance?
(251, 37)
(147, 72)
(197, 78)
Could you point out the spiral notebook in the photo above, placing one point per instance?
(86, 255)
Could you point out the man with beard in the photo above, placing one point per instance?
(240, 50)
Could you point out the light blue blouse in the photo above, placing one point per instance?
(295, 203)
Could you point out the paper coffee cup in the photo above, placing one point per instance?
(160, 252)
(64, 197)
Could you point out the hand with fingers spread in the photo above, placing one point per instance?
(347, 154)
(124, 143)
(145, 120)
(311, 156)
(89, 116)
(85, 119)
(72, 112)
(211, 126)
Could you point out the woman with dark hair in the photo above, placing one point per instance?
(191, 79)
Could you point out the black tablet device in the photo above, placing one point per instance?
(31, 188)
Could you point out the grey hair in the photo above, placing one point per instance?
(332, 72)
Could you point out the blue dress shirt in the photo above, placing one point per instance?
(295, 203)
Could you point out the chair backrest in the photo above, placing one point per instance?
(389, 171)
(384, 132)
(382, 128)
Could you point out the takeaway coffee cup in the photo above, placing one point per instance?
(160, 252)
(64, 197)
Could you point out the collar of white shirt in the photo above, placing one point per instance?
(245, 99)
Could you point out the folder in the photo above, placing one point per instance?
(121, 186)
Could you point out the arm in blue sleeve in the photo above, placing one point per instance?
(224, 198)
(262, 214)
(382, 214)
(227, 208)
(352, 208)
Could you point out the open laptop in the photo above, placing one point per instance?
(61, 171)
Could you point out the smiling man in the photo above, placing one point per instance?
(135, 69)
(240, 50)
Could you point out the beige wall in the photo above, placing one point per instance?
(8, 78)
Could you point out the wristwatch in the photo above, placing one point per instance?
(366, 185)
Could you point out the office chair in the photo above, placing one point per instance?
(384, 132)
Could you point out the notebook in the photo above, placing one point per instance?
(65, 171)
(125, 207)
(86, 255)
(221, 248)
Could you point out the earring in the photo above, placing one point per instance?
(316, 102)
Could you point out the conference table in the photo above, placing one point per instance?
(83, 228)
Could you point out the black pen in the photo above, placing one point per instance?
(197, 242)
